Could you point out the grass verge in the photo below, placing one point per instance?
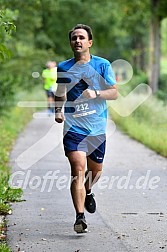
(12, 122)
(147, 124)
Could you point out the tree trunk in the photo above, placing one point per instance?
(142, 57)
(154, 64)
(139, 55)
(141, 64)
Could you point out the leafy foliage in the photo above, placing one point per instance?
(5, 53)
(42, 34)
(6, 28)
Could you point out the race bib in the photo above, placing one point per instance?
(83, 107)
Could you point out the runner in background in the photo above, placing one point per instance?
(50, 77)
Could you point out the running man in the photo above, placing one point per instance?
(85, 82)
(50, 77)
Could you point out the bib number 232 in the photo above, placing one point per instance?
(83, 109)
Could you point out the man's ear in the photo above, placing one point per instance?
(90, 43)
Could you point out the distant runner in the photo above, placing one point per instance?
(50, 77)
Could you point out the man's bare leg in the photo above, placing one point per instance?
(93, 173)
(77, 161)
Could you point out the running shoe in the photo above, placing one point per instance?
(80, 225)
(90, 203)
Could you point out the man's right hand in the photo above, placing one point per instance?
(59, 117)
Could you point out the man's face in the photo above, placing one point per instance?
(80, 42)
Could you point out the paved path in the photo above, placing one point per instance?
(131, 196)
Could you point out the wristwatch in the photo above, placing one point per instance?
(97, 93)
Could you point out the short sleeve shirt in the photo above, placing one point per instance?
(85, 116)
(50, 76)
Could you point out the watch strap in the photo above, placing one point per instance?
(97, 93)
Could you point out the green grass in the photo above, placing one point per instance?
(12, 122)
(147, 124)
(4, 247)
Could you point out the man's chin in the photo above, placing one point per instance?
(78, 50)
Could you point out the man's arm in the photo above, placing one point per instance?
(60, 98)
(111, 93)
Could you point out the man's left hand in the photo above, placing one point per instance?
(89, 94)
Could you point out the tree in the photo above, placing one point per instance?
(6, 27)
(158, 12)
(133, 23)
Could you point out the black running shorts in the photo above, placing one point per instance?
(94, 146)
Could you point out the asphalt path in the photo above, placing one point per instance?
(131, 196)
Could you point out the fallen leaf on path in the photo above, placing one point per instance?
(2, 236)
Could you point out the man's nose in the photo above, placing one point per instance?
(77, 39)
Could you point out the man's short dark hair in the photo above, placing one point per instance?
(82, 26)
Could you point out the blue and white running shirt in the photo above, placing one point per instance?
(85, 116)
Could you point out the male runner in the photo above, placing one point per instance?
(85, 82)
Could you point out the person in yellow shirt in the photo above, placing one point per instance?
(50, 77)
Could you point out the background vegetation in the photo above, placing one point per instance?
(32, 32)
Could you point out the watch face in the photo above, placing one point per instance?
(98, 93)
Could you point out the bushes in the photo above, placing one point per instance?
(6, 90)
